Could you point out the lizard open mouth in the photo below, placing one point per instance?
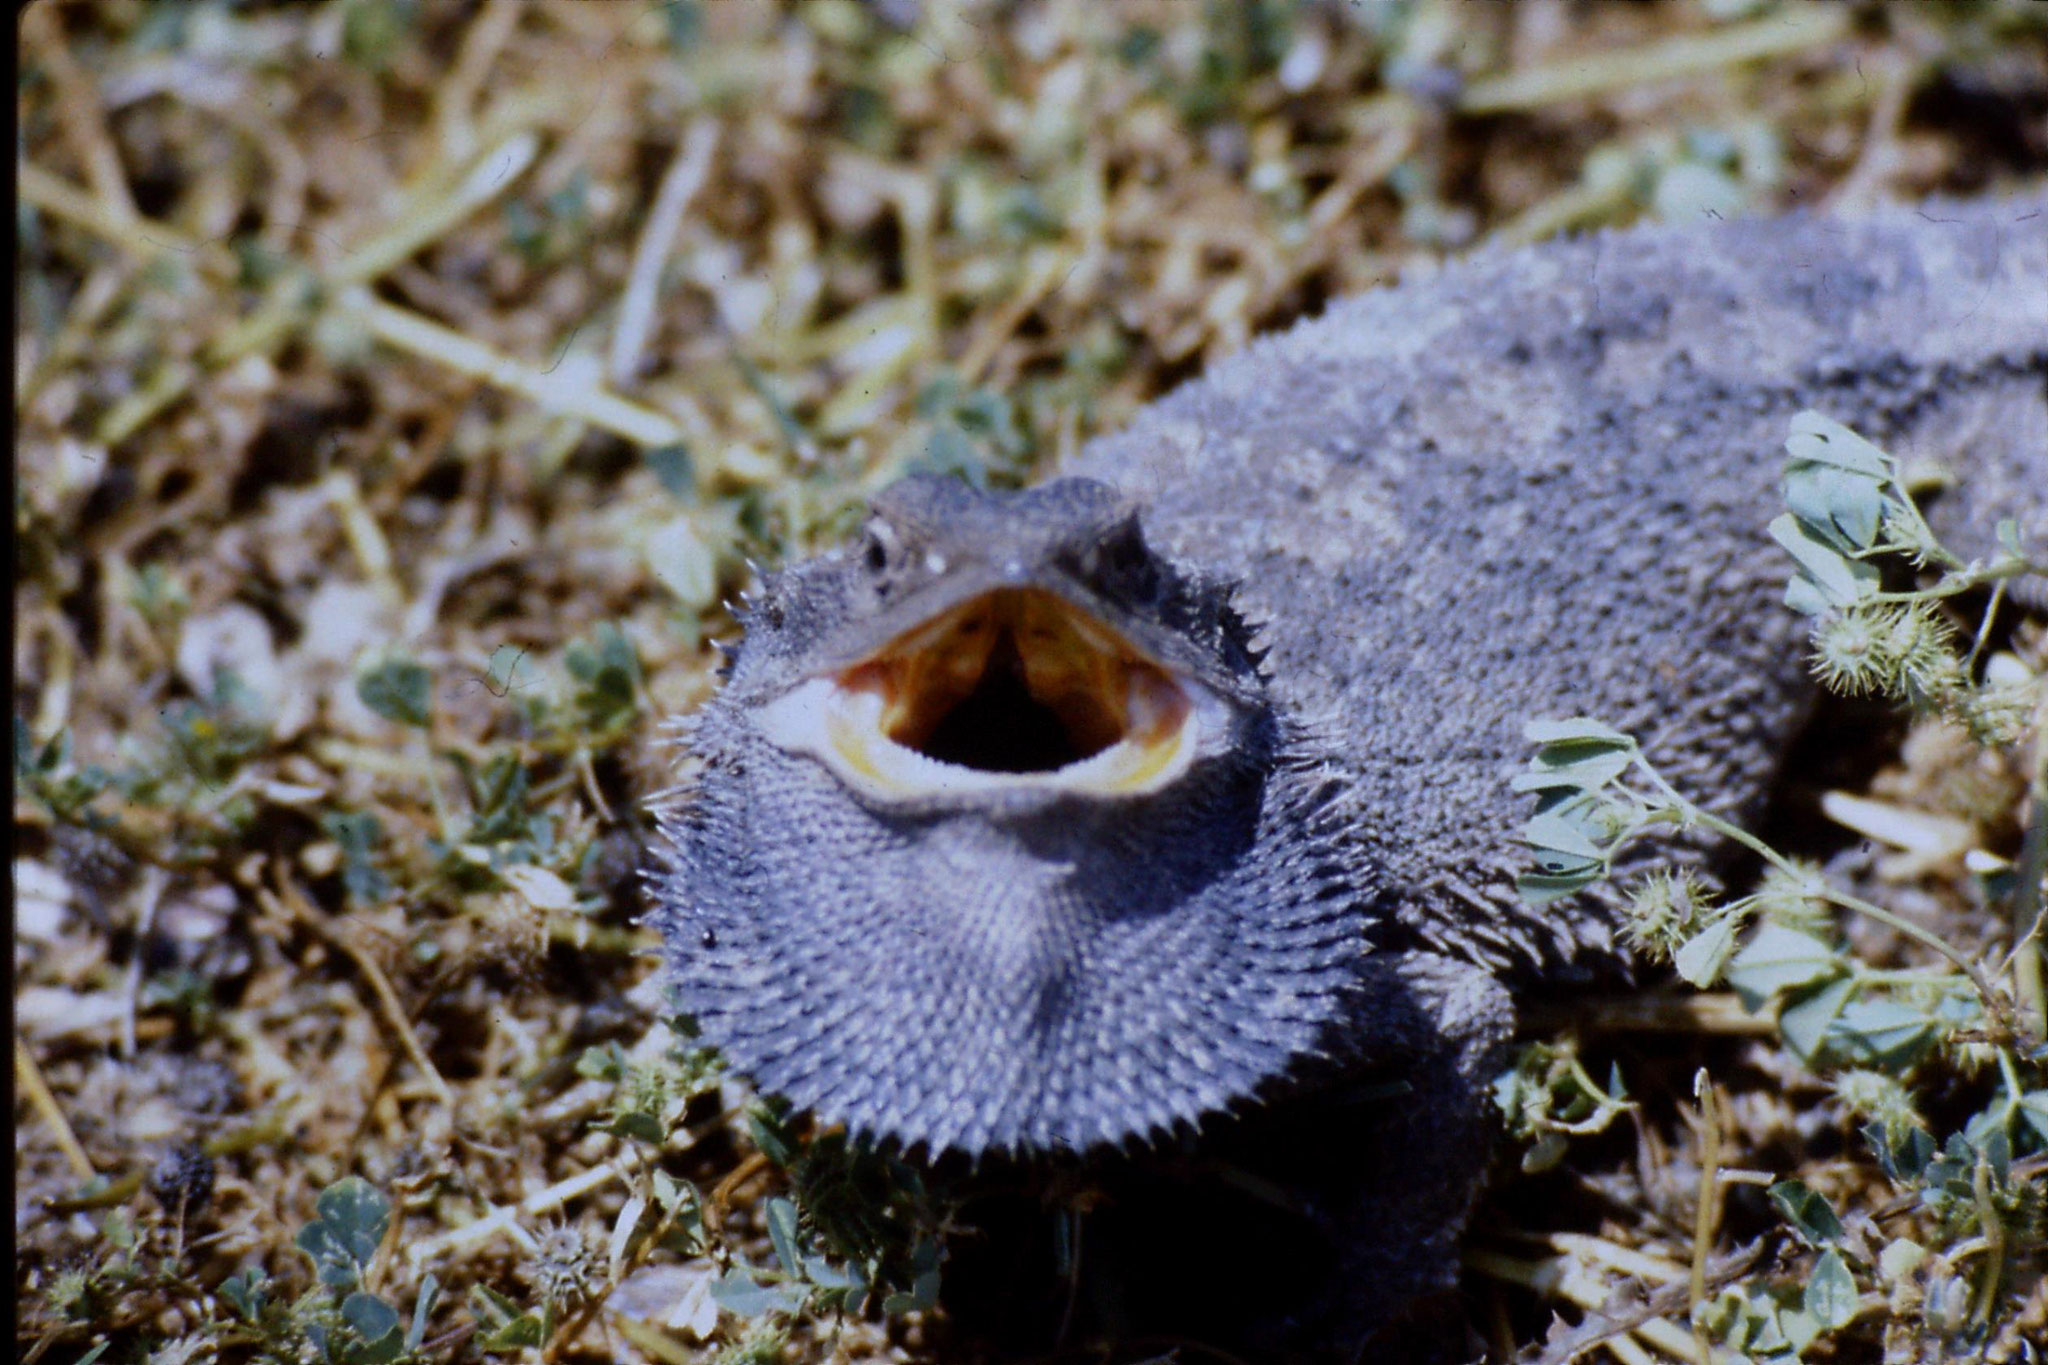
(1015, 688)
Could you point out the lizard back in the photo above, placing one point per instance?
(1536, 485)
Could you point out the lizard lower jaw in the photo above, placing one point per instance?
(1016, 690)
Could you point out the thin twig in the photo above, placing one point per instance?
(289, 900)
(1793, 30)
(152, 893)
(455, 98)
(685, 176)
(78, 110)
(723, 1192)
(505, 1219)
(1707, 1215)
(29, 1077)
(568, 391)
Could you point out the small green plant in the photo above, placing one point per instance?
(674, 470)
(605, 674)
(90, 1291)
(860, 1231)
(340, 1320)
(546, 235)
(856, 1232)
(975, 434)
(373, 32)
(504, 829)
(647, 1107)
(397, 689)
(1589, 811)
(161, 598)
(1882, 1033)
(358, 836)
(1548, 1096)
(564, 1273)
(349, 1325)
(1849, 510)
(649, 1097)
(208, 739)
(46, 772)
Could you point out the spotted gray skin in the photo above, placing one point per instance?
(1533, 484)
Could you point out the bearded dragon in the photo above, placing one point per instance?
(1098, 815)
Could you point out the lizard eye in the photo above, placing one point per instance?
(1015, 688)
(878, 546)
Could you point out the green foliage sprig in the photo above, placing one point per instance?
(342, 1320)
(1849, 509)
(1597, 795)
(861, 1231)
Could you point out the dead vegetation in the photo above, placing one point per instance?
(401, 387)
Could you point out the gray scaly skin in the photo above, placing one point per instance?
(1534, 484)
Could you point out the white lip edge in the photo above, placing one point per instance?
(805, 719)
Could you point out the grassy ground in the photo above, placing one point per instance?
(402, 386)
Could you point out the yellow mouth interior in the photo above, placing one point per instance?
(1017, 687)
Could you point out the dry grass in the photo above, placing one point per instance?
(448, 333)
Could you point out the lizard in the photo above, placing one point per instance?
(1102, 814)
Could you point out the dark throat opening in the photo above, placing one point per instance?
(1000, 727)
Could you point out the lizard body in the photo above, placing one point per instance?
(1264, 668)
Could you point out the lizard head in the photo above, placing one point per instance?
(997, 842)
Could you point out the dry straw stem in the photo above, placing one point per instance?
(141, 238)
(1627, 1260)
(565, 390)
(1707, 1208)
(78, 107)
(289, 903)
(1792, 30)
(29, 1077)
(454, 100)
(1573, 1278)
(685, 176)
(365, 537)
(506, 1219)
